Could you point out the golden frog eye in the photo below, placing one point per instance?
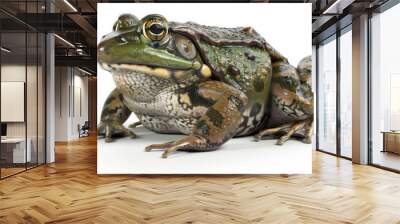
(155, 28)
(185, 47)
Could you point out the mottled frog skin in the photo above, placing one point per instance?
(209, 83)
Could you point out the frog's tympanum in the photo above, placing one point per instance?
(207, 82)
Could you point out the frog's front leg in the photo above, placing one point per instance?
(113, 116)
(292, 101)
(217, 125)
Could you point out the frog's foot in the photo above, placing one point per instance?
(308, 131)
(291, 129)
(111, 130)
(192, 142)
(113, 115)
(135, 124)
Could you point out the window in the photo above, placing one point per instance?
(327, 96)
(385, 89)
(334, 106)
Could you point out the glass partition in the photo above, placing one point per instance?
(13, 105)
(327, 96)
(22, 77)
(346, 93)
(31, 97)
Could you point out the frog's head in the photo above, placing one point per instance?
(148, 46)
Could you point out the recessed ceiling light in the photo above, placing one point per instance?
(70, 5)
(338, 6)
(64, 40)
(5, 49)
(84, 71)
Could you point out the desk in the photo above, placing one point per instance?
(13, 150)
(391, 141)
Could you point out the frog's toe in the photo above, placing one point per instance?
(257, 137)
(135, 124)
(289, 130)
(121, 131)
(283, 139)
(270, 131)
(112, 131)
(131, 134)
(108, 139)
(307, 140)
(293, 129)
(195, 143)
(158, 146)
(308, 127)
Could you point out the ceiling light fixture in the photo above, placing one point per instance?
(5, 50)
(79, 51)
(70, 5)
(64, 40)
(84, 71)
(337, 7)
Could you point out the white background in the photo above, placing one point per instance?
(287, 27)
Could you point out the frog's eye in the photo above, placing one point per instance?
(185, 47)
(155, 28)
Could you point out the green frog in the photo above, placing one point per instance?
(209, 83)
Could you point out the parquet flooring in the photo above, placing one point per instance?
(10, 171)
(70, 191)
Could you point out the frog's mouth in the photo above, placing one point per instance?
(160, 72)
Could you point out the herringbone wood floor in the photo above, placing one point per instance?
(69, 191)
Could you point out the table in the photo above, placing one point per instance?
(391, 141)
(17, 150)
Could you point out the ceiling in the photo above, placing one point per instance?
(76, 21)
(329, 16)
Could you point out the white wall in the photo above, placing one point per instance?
(71, 102)
(80, 109)
(12, 73)
(16, 73)
(62, 81)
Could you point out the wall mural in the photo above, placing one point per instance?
(208, 83)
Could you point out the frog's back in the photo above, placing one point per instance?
(240, 57)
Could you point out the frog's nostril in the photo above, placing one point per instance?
(122, 40)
